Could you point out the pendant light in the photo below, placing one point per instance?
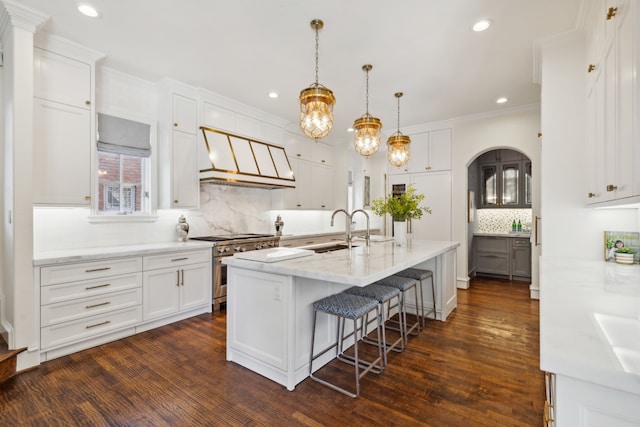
(366, 138)
(398, 144)
(316, 102)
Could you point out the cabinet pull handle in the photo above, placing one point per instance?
(106, 322)
(87, 197)
(428, 168)
(611, 13)
(98, 305)
(179, 259)
(87, 102)
(612, 187)
(178, 278)
(536, 226)
(298, 205)
(182, 276)
(91, 270)
(97, 286)
(591, 68)
(322, 161)
(591, 195)
(298, 154)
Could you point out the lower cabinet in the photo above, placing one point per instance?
(84, 304)
(577, 403)
(504, 256)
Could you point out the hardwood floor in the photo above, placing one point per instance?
(480, 368)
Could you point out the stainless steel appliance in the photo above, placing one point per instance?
(227, 245)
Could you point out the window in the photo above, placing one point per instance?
(123, 166)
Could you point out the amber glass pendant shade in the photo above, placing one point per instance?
(366, 137)
(398, 151)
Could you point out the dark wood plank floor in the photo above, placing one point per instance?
(480, 368)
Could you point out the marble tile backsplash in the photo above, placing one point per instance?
(500, 220)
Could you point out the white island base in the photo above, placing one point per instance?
(270, 311)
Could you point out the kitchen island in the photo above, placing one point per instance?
(269, 304)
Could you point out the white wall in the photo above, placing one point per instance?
(569, 228)
(515, 129)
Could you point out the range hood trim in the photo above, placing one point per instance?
(237, 177)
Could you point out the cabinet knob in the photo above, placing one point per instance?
(87, 197)
(87, 102)
(175, 125)
(591, 68)
(322, 161)
(611, 12)
(298, 154)
(298, 205)
(612, 187)
(591, 195)
(427, 168)
(175, 201)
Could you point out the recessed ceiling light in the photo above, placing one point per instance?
(87, 10)
(502, 100)
(273, 95)
(482, 25)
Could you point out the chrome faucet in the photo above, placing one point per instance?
(368, 235)
(347, 224)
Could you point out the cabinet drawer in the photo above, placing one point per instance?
(78, 309)
(175, 259)
(494, 263)
(492, 244)
(87, 288)
(64, 333)
(89, 270)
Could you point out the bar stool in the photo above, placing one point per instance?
(384, 295)
(422, 275)
(404, 284)
(347, 306)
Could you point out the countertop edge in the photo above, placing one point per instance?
(85, 254)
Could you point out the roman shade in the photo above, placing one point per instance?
(122, 136)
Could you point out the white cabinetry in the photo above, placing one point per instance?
(430, 152)
(436, 186)
(176, 282)
(83, 304)
(63, 129)
(179, 185)
(312, 164)
(613, 102)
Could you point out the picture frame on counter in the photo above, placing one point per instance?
(622, 242)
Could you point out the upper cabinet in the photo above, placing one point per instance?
(179, 186)
(613, 99)
(64, 124)
(505, 180)
(430, 152)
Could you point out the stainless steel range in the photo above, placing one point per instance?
(227, 245)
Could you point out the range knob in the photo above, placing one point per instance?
(227, 249)
(220, 250)
(258, 247)
(239, 249)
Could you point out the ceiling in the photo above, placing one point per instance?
(244, 49)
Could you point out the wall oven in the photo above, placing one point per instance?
(227, 245)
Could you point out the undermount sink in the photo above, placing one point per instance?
(332, 248)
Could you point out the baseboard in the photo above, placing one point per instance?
(6, 329)
(462, 283)
(534, 292)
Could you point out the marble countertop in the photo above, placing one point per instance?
(358, 269)
(526, 234)
(590, 321)
(85, 254)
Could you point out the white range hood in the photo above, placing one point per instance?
(241, 161)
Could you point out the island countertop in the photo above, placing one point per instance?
(357, 268)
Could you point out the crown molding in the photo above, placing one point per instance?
(14, 15)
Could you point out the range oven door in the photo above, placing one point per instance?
(219, 283)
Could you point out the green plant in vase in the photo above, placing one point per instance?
(401, 208)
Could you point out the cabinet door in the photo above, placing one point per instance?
(61, 79)
(521, 261)
(492, 263)
(526, 184)
(436, 187)
(440, 150)
(489, 185)
(302, 195)
(62, 154)
(322, 187)
(160, 293)
(419, 154)
(509, 186)
(185, 171)
(195, 285)
(184, 114)
(323, 154)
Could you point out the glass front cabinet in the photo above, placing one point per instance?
(505, 179)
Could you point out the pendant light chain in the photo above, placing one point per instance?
(398, 97)
(367, 97)
(317, 44)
